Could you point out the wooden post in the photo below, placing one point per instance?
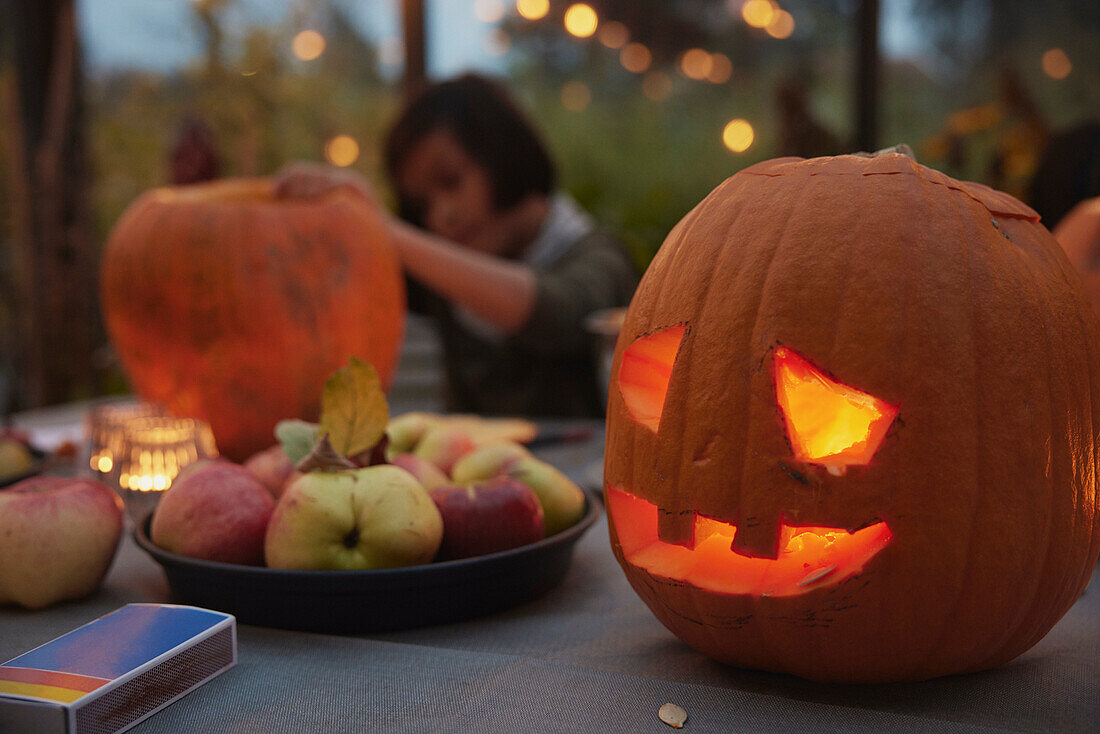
(54, 262)
(867, 65)
(415, 47)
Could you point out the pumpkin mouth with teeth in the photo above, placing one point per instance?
(809, 557)
(828, 424)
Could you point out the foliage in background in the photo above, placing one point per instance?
(638, 164)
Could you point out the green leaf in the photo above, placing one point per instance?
(297, 438)
(353, 408)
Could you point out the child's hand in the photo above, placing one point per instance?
(304, 180)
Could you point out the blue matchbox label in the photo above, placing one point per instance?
(116, 670)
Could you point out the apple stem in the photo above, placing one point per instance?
(323, 457)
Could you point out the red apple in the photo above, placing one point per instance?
(272, 467)
(217, 511)
(486, 517)
(443, 445)
(57, 538)
(428, 474)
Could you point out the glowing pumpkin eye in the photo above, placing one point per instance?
(645, 371)
(827, 423)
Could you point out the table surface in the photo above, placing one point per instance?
(587, 656)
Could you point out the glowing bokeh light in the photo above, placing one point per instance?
(308, 45)
(635, 57)
(575, 96)
(614, 34)
(533, 9)
(1056, 64)
(781, 25)
(489, 11)
(696, 63)
(657, 86)
(738, 135)
(758, 13)
(342, 150)
(721, 69)
(581, 20)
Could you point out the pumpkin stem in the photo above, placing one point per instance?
(900, 148)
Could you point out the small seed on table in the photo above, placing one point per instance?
(673, 715)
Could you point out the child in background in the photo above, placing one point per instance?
(507, 266)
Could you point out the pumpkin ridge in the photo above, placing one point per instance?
(744, 464)
(683, 362)
(937, 651)
(1082, 573)
(1026, 619)
(1068, 591)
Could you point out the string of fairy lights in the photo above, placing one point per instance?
(583, 23)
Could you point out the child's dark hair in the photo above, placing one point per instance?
(488, 124)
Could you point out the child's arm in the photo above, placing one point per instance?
(502, 292)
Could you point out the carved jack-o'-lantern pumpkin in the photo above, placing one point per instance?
(852, 431)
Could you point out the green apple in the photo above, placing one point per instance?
(374, 517)
(15, 458)
(562, 500)
(405, 431)
(487, 461)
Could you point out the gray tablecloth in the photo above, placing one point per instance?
(588, 656)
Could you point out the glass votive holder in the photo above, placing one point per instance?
(152, 452)
(105, 424)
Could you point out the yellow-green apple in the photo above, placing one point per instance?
(57, 538)
(406, 430)
(487, 461)
(215, 510)
(443, 445)
(487, 517)
(562, 500)
(272, 467)
(485, 431)
(428, 474)
(374, 517)
(15, 457)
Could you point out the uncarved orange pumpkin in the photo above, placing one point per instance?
(228, 304)
(1078, 232)
(853, 424)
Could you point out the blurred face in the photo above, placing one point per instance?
(453, 193)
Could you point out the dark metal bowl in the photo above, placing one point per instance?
(348, 602)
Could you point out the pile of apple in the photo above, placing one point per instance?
(360, 491)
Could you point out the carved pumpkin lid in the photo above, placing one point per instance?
(892, 163)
